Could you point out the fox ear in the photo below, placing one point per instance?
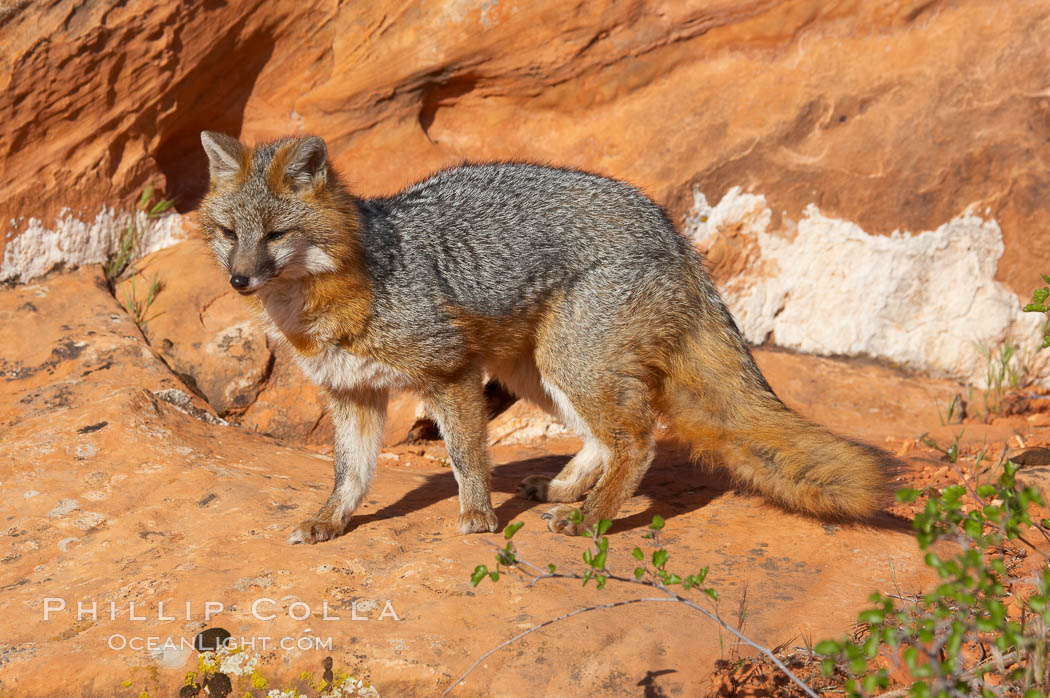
(225, 154)
(306, 164)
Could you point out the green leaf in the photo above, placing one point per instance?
(907, 495)
(827, 647)
(638, 554)
(712, 593)
(513, 528)
(919, 689)
(986, 490)
(660, 558)
(658, 522)
(604, 526)
(639, 572)
(550, 567)
(972, 527)
(505, 556)
(494, 575)
(160, 207)
(479, 573)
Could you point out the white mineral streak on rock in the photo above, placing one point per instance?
(824, 286)
(70, 241)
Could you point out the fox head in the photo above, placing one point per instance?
(274, 211)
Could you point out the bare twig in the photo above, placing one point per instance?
(541, 574)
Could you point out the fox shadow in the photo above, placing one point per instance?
(673, 485)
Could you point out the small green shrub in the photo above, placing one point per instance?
(959, 639)
(137, 307)
(1039, 305)
(131, 236)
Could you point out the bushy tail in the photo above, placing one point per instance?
(718, 402)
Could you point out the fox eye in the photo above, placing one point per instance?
(276, 235)
(229, 234)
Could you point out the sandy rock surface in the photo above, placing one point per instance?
(121, 486)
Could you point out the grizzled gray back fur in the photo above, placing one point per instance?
(494, 236)
(495, 239)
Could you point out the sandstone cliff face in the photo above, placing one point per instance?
(886, 115)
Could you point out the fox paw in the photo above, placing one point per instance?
(478, 521)
(560, 519)
(535, 487)
(315, 531)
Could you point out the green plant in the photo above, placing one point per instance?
(131, 235)
(957, 407)
(960, 639)
(650, 571)
(1005, 370)
(1039, 305)
(952, 452)
(137, 307)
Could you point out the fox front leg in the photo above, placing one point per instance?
(358, 419)
(459, 409)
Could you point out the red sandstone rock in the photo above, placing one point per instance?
(201, 327)
(890, 114)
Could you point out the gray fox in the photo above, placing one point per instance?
(572, 290)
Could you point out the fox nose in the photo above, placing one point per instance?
(239, 282)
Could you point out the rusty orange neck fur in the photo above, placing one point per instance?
(319, 310)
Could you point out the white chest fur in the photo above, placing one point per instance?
(338, 369)
(333, 367)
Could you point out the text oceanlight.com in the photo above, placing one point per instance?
(262, 643)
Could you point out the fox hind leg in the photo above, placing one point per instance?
(614, 409)
(582, 471)
(578, 476)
